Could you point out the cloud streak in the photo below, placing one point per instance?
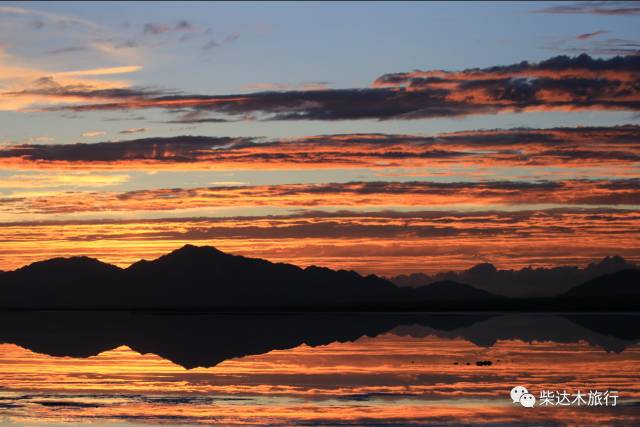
(134, 130)
(93, 133)
(609, 8)
(51, 18)
(564, 148)
(348, 195)
(24, 86)
(587, 36)
(71, 180)
(557, 84)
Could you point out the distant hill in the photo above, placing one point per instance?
(623, 284)
(448, 290)
(204, 277)
(526, 282)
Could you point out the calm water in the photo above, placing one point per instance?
(320, 369)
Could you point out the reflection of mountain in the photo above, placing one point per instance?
(527, 282)
(194, 340)
(598, 330)
(189, 340)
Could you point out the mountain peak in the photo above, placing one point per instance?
(64, 270)
(193, 250)
(194, 254)
(613, 261)
(187, 256)
(78, 263)
(482, 269)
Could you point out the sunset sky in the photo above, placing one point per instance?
(382, 137)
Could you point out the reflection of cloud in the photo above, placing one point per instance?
(390, 379)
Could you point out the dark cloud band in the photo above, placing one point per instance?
(561, 147)
(560, 83)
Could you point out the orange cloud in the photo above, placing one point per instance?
(99, 71)
(349, 195)
(93, 133)
(24, 181)
(386, 242)
(559, 147)
(24, 86)
(560, 83)
(559, 67)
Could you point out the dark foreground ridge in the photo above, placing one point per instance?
(204, 278)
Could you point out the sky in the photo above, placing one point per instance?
(384, 137)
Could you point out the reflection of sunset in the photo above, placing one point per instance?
(384, 378)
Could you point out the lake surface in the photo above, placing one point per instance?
(314, 369)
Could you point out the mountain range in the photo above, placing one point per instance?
(526, 282)
(204, 278)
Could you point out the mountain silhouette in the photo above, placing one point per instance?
(206, 274)
(205, 278)
(204, 340)
(526, 282)
(449, 290)
(623, 284)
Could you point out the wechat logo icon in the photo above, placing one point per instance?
(520, 394)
